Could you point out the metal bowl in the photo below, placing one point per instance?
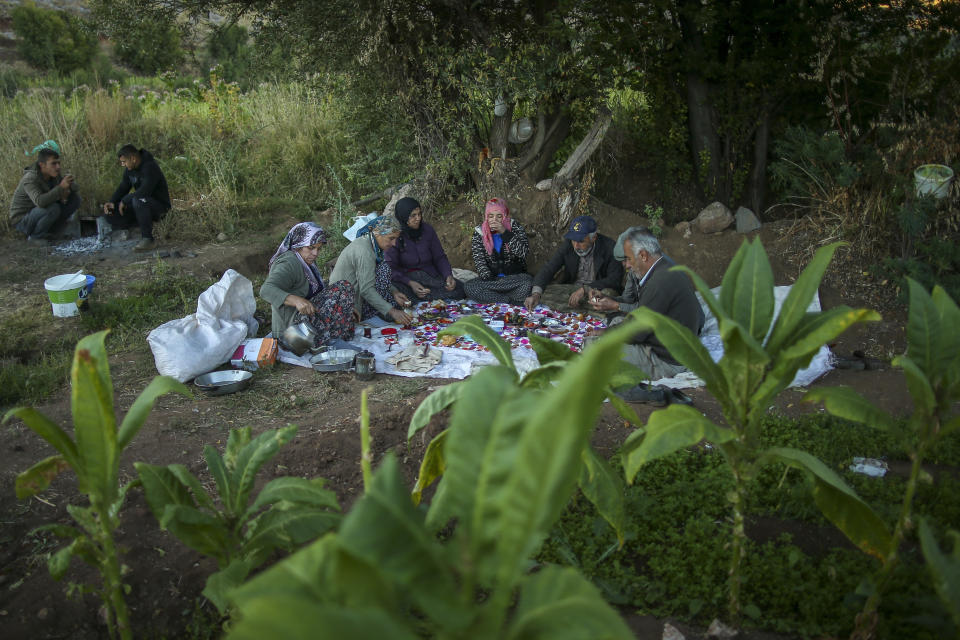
(299, 338)
(334, 360)
(218, 383)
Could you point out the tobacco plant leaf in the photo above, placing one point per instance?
(670, 430)
(94, 424)
(944, 568)
(252, 457)
(948, 351)
(432, 405)
(846, 403)
(221, 583)
(817, 329)
(746, 293)
(921, 391)
(923, 329)
(604, 489)
(482, 334)
(431, 467)
(37, 478)
(49, 431)
(198, 530)
(544, 375)
(301, 491)
(298, 618)
(162, 487)
(221, 475)
(558, 603)
(838, 502)
(285, 529)
(549, 350)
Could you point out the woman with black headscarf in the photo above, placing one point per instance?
(420, 266)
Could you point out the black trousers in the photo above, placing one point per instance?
(142, 212)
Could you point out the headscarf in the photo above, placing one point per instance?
(380, 226)
(46, 144)
(402, 211)
(303, 234)
(494, 205)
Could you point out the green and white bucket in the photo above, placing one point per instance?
(64, 291)
(933, 180)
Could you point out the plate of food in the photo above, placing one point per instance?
(558, 330)
(551, 322)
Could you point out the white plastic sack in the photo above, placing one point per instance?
(358, 223)
(185, 348)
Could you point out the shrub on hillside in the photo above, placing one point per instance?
(148, 46)
(53, 40)
(229, 48)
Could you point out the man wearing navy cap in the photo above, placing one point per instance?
(585, 262)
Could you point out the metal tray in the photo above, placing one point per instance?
(219, 383)
(334, 360)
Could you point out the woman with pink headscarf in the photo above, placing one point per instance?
(499, 248)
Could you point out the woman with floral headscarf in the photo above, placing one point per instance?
(419, 263)
(362, 263)
(296, 291)
(499, 248)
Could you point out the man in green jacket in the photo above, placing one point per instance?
(43, 199)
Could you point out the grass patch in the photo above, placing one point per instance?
(803, 580)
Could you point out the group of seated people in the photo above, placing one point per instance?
(397, 259)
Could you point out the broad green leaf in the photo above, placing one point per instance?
(705, 292)
(38, 477)
(549, 350)
(668, 430)
(161, 487)
(296, 490)
(59, 562)
(200, 494)
(113, 510)
(627, 374)
(484, 335)
(838, 502)
(686, 348)
(296, 618)
(558, 603)
(85, 518)
(468, 444)
(432, 405)
(539, 485)
(286, 529)
(744, 365)
(604, 489)
(141, 407)
(950, 426)
(944, 569)
(544, 375)
(221, 475)
(746, 293)
(431, 467)
(625, 410)
(846, 403)
(923, 329)
(49, 431)
(220, 584)
(198, 530)
(918, 384)
(252, 457)
(795, 306)
(817, 329)
(236, 441)
(948, 355)
(94, 424)
(388, 532)
(59, 530)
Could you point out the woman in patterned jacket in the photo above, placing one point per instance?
(499, 248)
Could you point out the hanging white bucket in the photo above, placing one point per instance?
(933, 180)
(64, 291)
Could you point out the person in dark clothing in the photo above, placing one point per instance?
(420, 266)
(585, 262)
(43, 200)
(149, 201)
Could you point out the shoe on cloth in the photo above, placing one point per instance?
(679, 397)
(146, 244)
(38, 241)
(645, 394)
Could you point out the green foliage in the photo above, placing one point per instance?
(242, 531)
(93, 454)
(931, 366)
(810, 165)
(944, 569)
(512, 457)
(148, 45)
(229, 47)
(53, 40)
(655, 216)
(762, 354)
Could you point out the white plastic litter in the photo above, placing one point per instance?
(358, 223)
(873, 467)
(185, 348)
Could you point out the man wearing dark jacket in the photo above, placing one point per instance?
(148, 202)
(585, 262)
(43, 199)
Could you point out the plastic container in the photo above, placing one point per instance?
(933, 180)
(64, 293)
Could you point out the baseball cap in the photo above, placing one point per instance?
(580, 228)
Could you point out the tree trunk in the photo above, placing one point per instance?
(560, 126)
(500, 132)
(757, 186)
(704, 143)
(566, 193)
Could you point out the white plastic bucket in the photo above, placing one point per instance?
(64, 291)
(933, 180)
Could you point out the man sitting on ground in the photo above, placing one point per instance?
(585, 262)
(148, 202)
(43, 200)
(651, 284)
